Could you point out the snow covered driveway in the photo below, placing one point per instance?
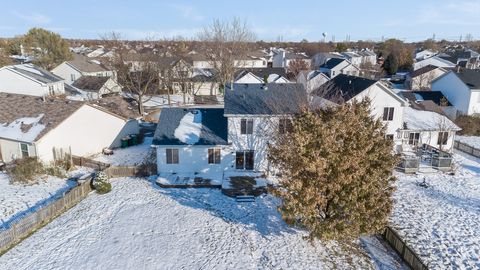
(442, 222)
(140, 226)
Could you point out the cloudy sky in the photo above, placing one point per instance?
(271, 20)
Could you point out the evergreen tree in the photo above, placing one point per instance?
(336, 172)
(391, 64)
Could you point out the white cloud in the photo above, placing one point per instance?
(36, 18)
(188, 12)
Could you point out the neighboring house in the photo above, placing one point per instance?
(312, 80)
(28, 79)
(215, 140)
(424, 54)
(354, 58)
(465, 58)
(255, 59)
(322, 57)
(96, 87)
(282, 58)
(462, 89)
(368, 57)
(426, 127)
(385, 103)
(430, 101)
(80, 66)
(433, 61)
(259, 75)
(421, 79)
(336, 66)
(48, 127)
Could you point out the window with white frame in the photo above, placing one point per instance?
(214, 155)
(413, 138)
(244, 160)
(442, 138)
(246, 126)
(172, 155)
(24, 149)
(388, 113)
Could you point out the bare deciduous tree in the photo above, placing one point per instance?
(295, 66)
(226, 42)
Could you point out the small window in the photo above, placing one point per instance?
(285, 125)
(50, 90)
(24, 149)
(442, 138)
(172, 156)
(413, 138)
(214, 155)
(246, 126)
(72, 77)
(388, 113)
(389, 137)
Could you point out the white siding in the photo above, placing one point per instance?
(86, 132)
(194, 158)
(455, 91)
(12, 82)
(10, 150)
(65, 71)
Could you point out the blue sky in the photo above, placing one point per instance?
(271, 20)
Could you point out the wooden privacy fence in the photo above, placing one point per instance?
(123, 171)
(90, 163)
(467, 148)
(405, 252)
(114, 171)
(26, 225)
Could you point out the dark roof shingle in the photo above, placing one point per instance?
(343, 87)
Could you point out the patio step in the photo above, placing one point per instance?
(245, 198)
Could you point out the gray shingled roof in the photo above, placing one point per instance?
(471, 77)
(83, 64)
(91, 83)
(36, 73)
(214, 129)
(333, 62)
(343, 87)
(14, 106)
(265, 99)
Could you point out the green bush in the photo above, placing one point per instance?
(25, 170)
(101, 184)
(470, 125)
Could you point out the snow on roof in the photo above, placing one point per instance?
(427, 120)
(188, 131)
(24, 129)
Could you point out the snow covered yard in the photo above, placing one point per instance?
(473, 141)
(130, 156)
(17, 198)
(441, 222)
(140, 226)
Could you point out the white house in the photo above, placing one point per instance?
(95, 87)
(424, 54)
(322, 57)
(336, 66)
(426, 127)
(385, 103)
(354, 58)
(28, 79)
(462, 89)
(47, 127)
(312, 80)
(282, 58)
(434, 61)
(213, 141)
(80, 66)
(261, 75)
(421, 79)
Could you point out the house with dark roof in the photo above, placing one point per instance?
(48, 127)
(434, 61)
(28, 79)
(462, 89)
(336, 66)
(282, 58)
(95, 87)
(214, 142)
(312, 79)
(261, 75)
(80, 66)
(385, 103)
(421, 79)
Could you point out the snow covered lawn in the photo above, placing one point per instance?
(130, 156)
(473, 141)
(140, 226)
(17, 198)
(441, 222)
